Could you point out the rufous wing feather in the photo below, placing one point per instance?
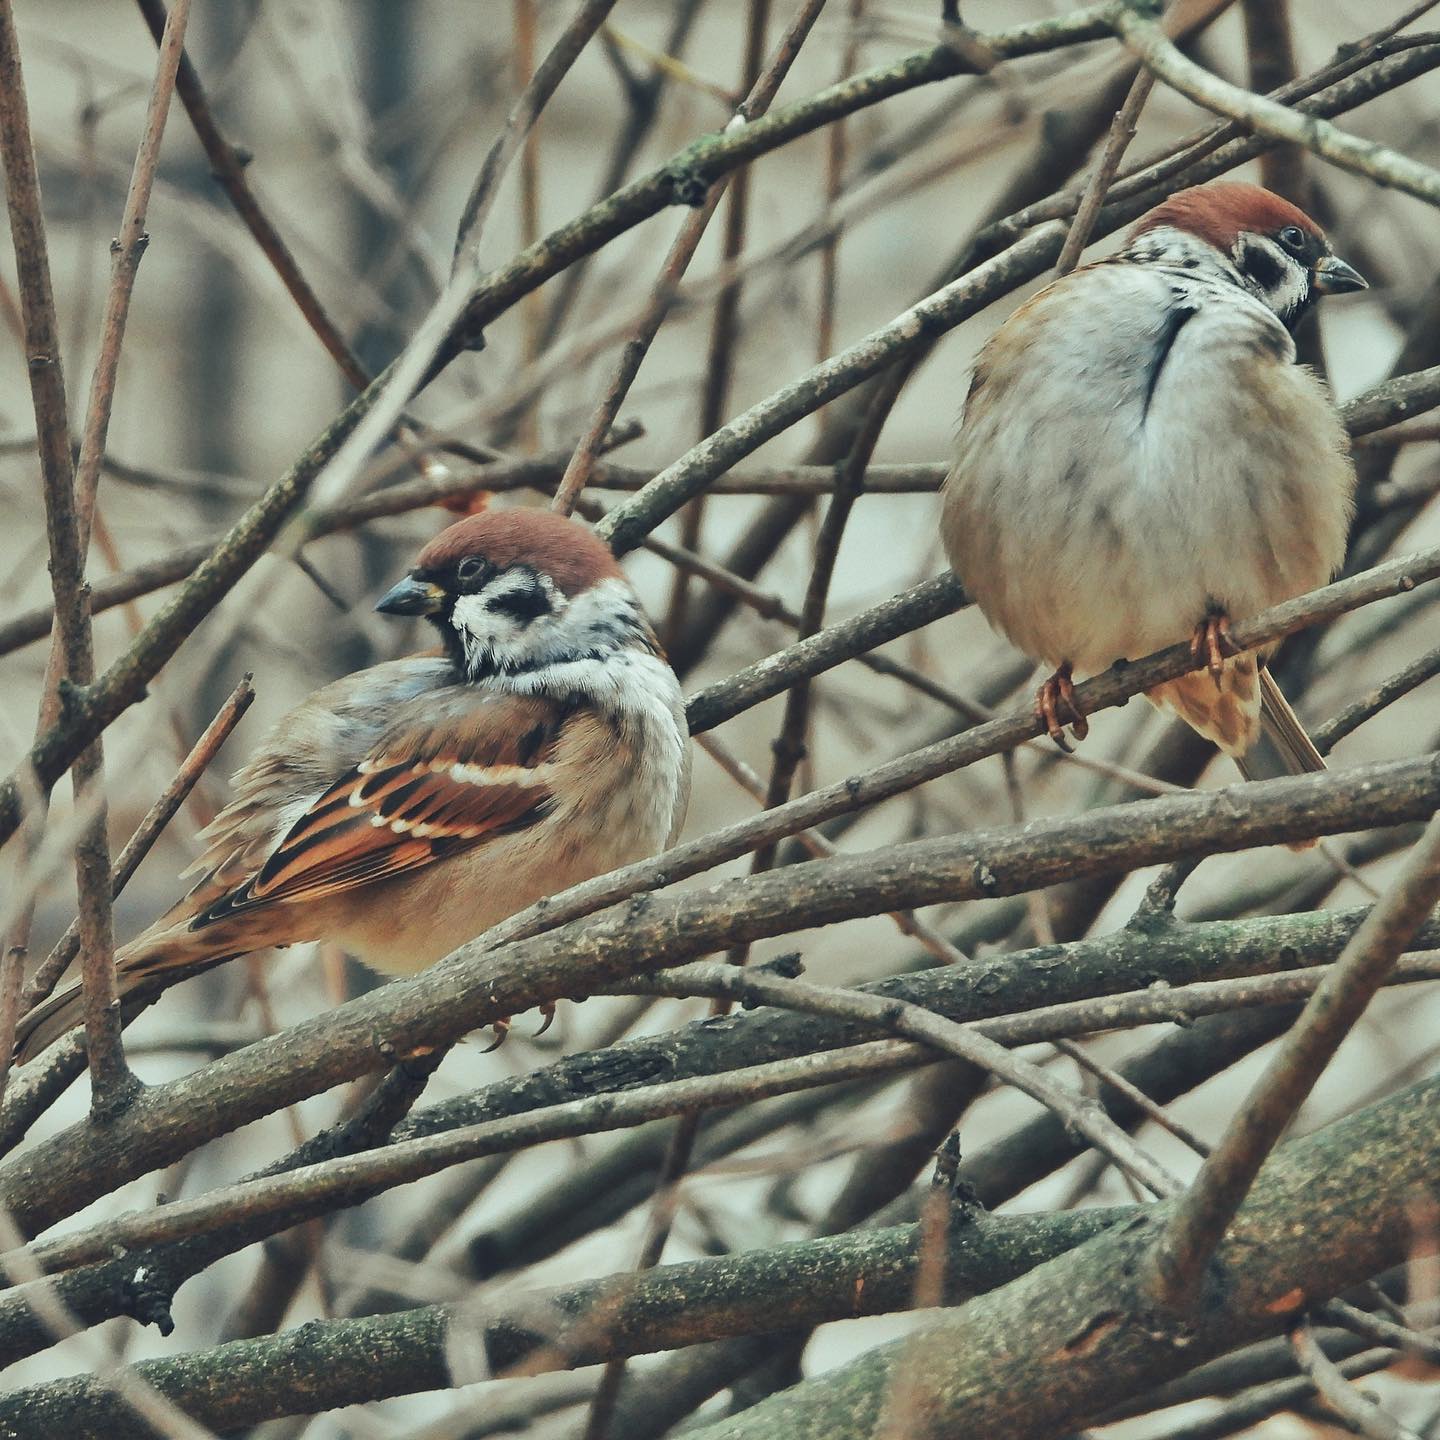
(424, 793)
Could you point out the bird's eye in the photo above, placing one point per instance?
(1292, 237)
(470, 568)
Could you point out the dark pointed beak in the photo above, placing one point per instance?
(412, 596)
(1332, 276)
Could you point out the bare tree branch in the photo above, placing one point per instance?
(1363, 157)
(1209, 1205)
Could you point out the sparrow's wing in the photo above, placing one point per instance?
(430, 787)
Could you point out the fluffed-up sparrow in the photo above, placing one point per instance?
(1142, 459)
(401, 810)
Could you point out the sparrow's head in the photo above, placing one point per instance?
(513, 591)
(1280, 254)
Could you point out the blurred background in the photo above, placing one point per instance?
(367, 122)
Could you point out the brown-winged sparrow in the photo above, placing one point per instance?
(402, 810)
(1142, 460)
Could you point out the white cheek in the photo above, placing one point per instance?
(471, 615)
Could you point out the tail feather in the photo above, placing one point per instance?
(1224, 708)
(1244, 712)
(1283, 747)
(46, 1023)
(136, 969)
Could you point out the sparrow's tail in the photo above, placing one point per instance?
(1283, 747)
(154, 953)
(1248, 717)
(1224, 708)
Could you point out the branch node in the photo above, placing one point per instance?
(789, 966)
(110, 1104)
(685, 186)
(149, 1297)
(71, 696)
(947, 1161)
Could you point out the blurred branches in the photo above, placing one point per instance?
(853, 1057)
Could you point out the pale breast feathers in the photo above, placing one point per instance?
(1114, 477)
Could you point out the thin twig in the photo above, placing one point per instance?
(1358, 1412)
(126, 252)
(109, 1073)
(790, 744)
(1354, 715)
(1122, 132)
(719, 364)
(1134, 1094)
(521, 120)
(1376, 50)
(72, 654)
(581, 466)
(227, 165)
(1202, 1215)
(644, 97)
(1363, 157)
(296, 1193)
(159, 815)
(835, 155)
(964, 1043)
(1381, 1330)
(1060, 1023)
(906, 921)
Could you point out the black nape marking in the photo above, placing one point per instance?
(1175, 322)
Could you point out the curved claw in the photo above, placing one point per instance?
(1056, 705)
(547, 1012)
(1212, 640)
(501, 1027)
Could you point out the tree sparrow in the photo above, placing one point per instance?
(1141, 459)
(404, 809)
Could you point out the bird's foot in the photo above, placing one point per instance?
(1056, 705)
(1212, 643)
(501, 1027)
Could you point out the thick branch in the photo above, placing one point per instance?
(341, 1362)
(1012, 1360)
(1052, 1351)
(1048, 986)
(1208, 1207)
(476, 985)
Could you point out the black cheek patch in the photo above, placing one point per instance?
(522, 605)
(1262, 267)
